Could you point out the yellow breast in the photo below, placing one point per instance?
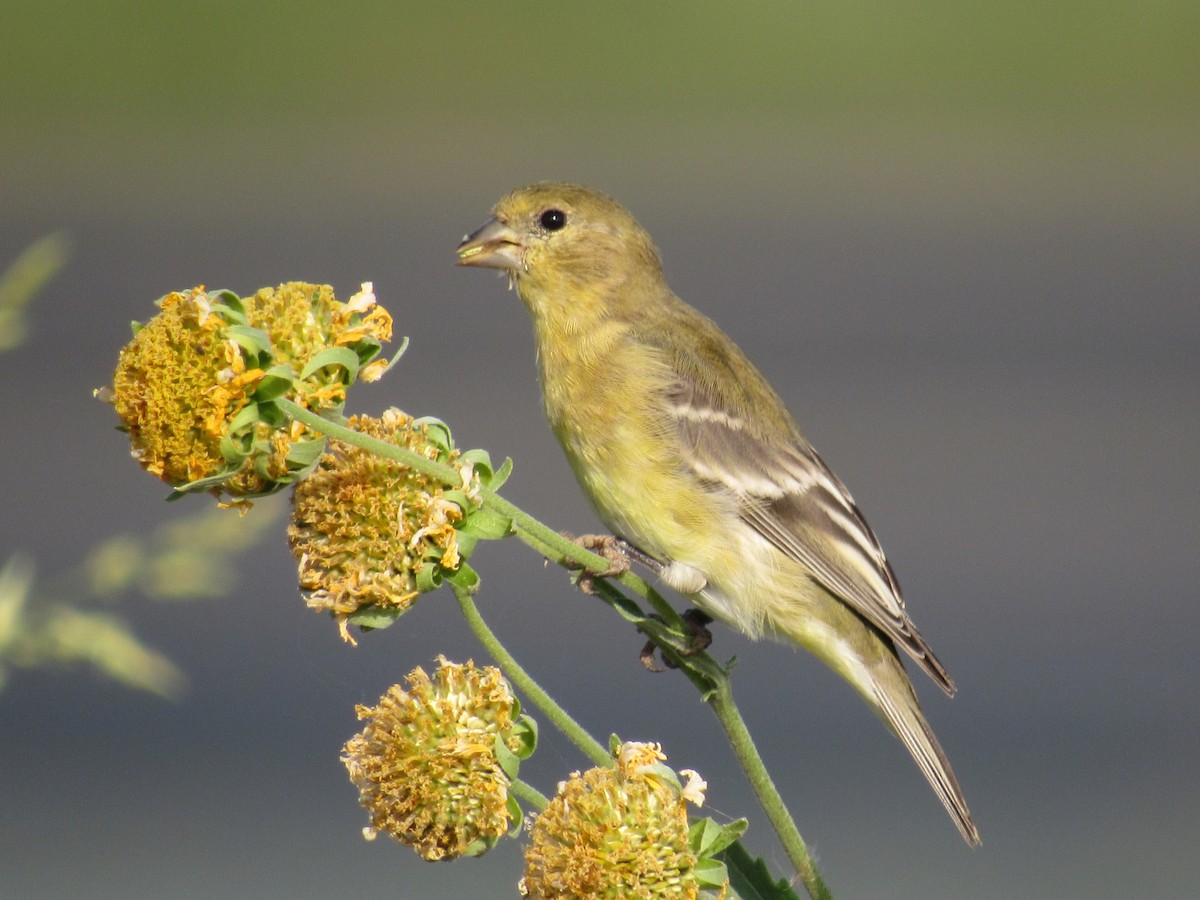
(604, 398)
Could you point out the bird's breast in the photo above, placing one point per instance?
(605, 399)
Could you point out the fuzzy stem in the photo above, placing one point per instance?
(564, 551)
(714, 686)
(532, 796)
(721, 701)
(558, 716)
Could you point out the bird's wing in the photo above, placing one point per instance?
(791, 497)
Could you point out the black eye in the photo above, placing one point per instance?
(553, 219)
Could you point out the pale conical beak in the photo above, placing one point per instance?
(493, 245)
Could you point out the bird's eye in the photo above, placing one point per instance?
(553, 219)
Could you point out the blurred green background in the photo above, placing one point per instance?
(960, 238)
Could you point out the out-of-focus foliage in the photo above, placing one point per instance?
(23, 278)
(41, 634)
(64, 619)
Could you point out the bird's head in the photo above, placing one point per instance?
(562, 240)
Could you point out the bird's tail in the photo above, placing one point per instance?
(903, 715)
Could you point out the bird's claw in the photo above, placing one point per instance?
(612, 548)
(648, 661)
(697, 622)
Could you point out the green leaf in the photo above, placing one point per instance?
(464, 577)
(516, 816)
(235, 309)
(459, 498)
(480, 846)
(369, 618)
(707, 838)
(302, 454)
(253, 340)
(217, 481)
(702, 834)
(237, 443)
(466, 544)
(509, 762)
(378, 349)
(203, 484)
(750, 878)
(366, 349)
(262, 460)
(333, 356)
(480, 462)
(429, 577)
(437, 432)
(711, 873)
(501, 475)
(235, 450)
(525, 730)
(484, 522)
(269, 412)
(277, 381)
(629, 610)
(248, 415)
(663, 773)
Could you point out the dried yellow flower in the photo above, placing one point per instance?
(363, 527)
(195, 388)
(303, 320)
(177, 382)
(426, 763)
(614, 833)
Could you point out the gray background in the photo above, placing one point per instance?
(961, 242)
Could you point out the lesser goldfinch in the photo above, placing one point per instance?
(687, 453)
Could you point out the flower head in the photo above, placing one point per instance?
(428, 763)
(195, 387)
(614, 832)
(372, 532)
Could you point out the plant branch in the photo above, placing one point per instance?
(721, 701)
(714, 685)
(523, 790)
(558, 716)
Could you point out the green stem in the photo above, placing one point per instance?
(558, 716)
(527, 792)
(563, 550)
(720, 698)
(717, 691)
(423, 464)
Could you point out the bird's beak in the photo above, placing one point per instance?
(493, 245)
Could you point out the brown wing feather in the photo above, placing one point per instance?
(790, 496)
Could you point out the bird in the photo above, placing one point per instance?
(688, 455)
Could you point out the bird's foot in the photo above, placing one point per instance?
(700, 638)
(615, 552)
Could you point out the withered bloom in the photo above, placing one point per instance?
(427, 763)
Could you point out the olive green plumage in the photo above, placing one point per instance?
(686, 452)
